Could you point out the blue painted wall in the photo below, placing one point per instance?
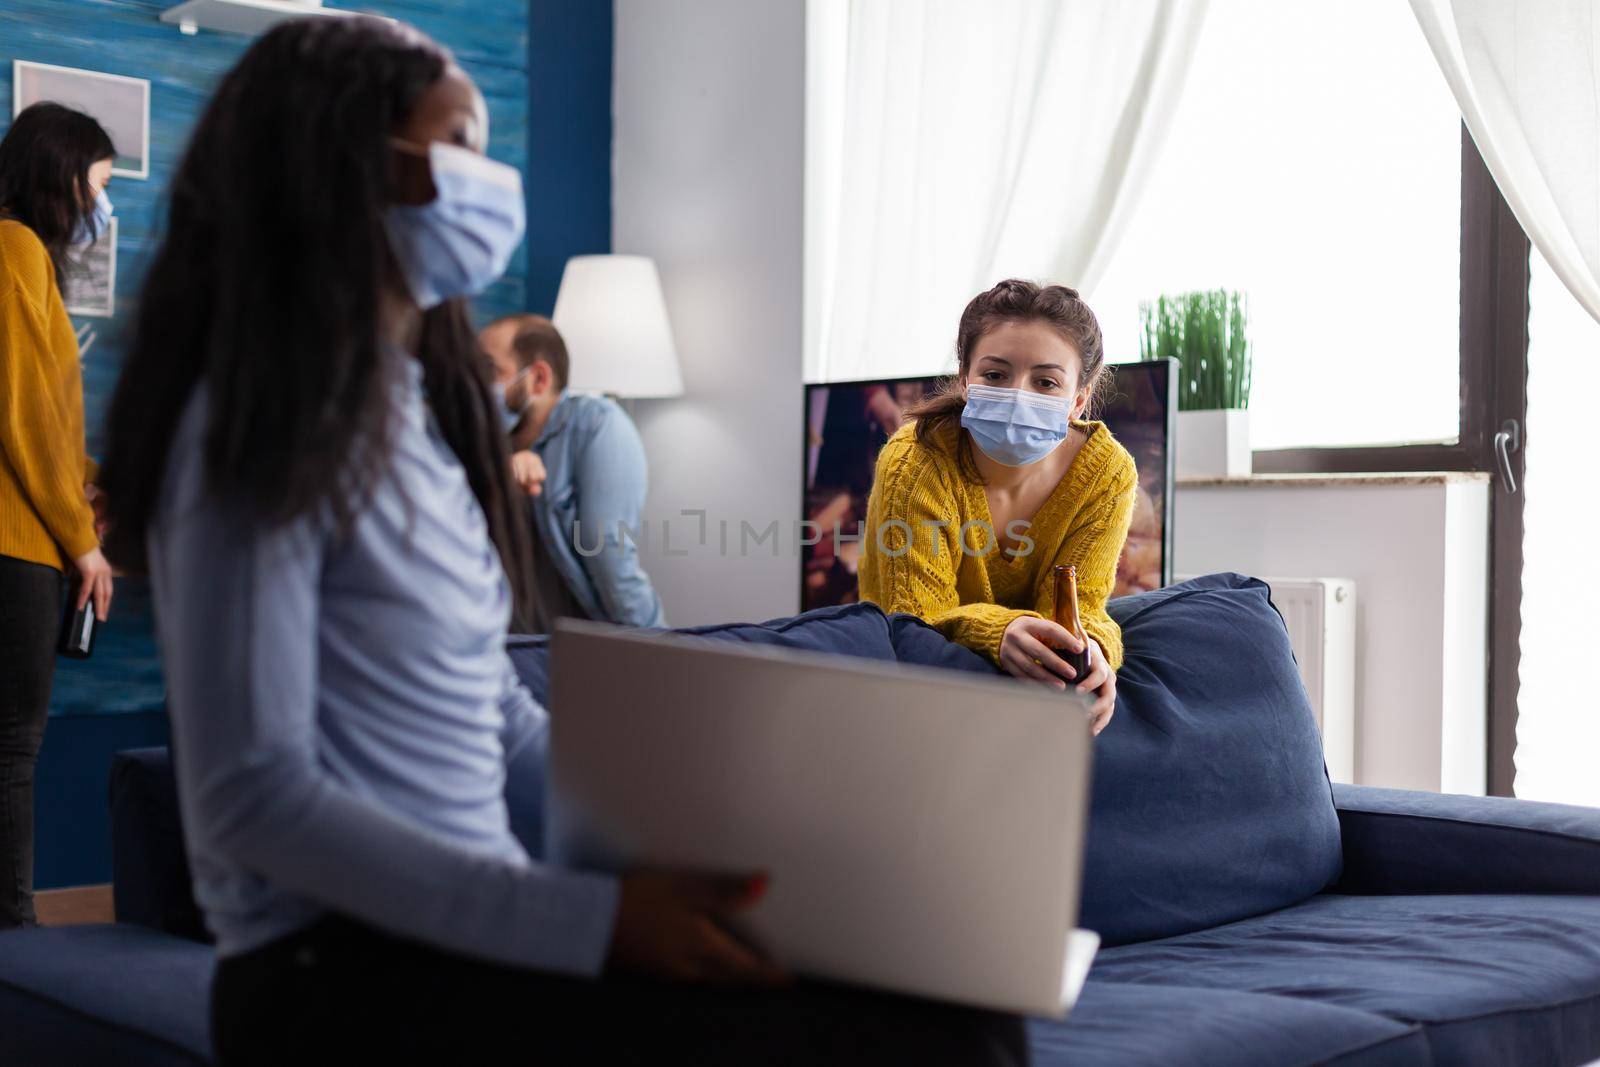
(489, 38)
(73, 821)
(570, 47)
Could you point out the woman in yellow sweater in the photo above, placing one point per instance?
(54, 165)
(998, 480)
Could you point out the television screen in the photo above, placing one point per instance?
(848, 422)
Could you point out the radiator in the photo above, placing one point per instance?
(1321, 616)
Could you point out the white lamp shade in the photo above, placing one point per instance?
(611, 314)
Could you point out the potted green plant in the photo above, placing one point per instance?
(1206, 333)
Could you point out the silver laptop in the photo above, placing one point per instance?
(923, 828)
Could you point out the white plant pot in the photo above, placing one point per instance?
(1213, 444)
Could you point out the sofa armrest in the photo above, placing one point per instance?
(149, 865)
(1397, 841)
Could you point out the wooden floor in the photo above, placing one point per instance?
(75, 906)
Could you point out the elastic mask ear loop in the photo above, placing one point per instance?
(416, 151)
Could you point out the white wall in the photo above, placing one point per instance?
(1418, 554)
(708, 167)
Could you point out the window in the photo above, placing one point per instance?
(1315, 164)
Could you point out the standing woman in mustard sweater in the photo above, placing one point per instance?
(997, 481)
(54, 166)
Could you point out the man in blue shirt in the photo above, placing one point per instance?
(582, 464)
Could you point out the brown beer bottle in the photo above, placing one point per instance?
(1066, 616)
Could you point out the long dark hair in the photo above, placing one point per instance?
(269, 285)
(44, 175)
(938, 418)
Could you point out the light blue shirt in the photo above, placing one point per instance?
(595, 478)
(348, 732)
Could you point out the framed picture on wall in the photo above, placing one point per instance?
(121, 105)
(90, 286)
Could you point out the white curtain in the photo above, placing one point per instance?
(951, 144)
(1558, 732)
(1527, 77)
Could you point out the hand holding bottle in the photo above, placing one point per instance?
(1100, 680)
(1029, 650)
(1090, 668)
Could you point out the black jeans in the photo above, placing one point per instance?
(30, 613)
(341, 992)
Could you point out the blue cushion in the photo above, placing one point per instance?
(104, 994)
(850, 630)
(917, 642)
(1492, 980)
(1116, 1025)
(1210, 798)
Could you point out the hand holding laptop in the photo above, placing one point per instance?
(674, 925)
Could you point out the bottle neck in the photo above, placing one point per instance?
(1067, 601)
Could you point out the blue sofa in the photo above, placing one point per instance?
(1253, 915)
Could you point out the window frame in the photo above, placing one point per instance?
(1494, 382)
(1493, 328)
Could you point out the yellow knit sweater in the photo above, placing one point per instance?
(972, 598)
(44, 515)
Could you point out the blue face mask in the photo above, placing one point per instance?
(458, 244)
(1015, 427)
(93, 225)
